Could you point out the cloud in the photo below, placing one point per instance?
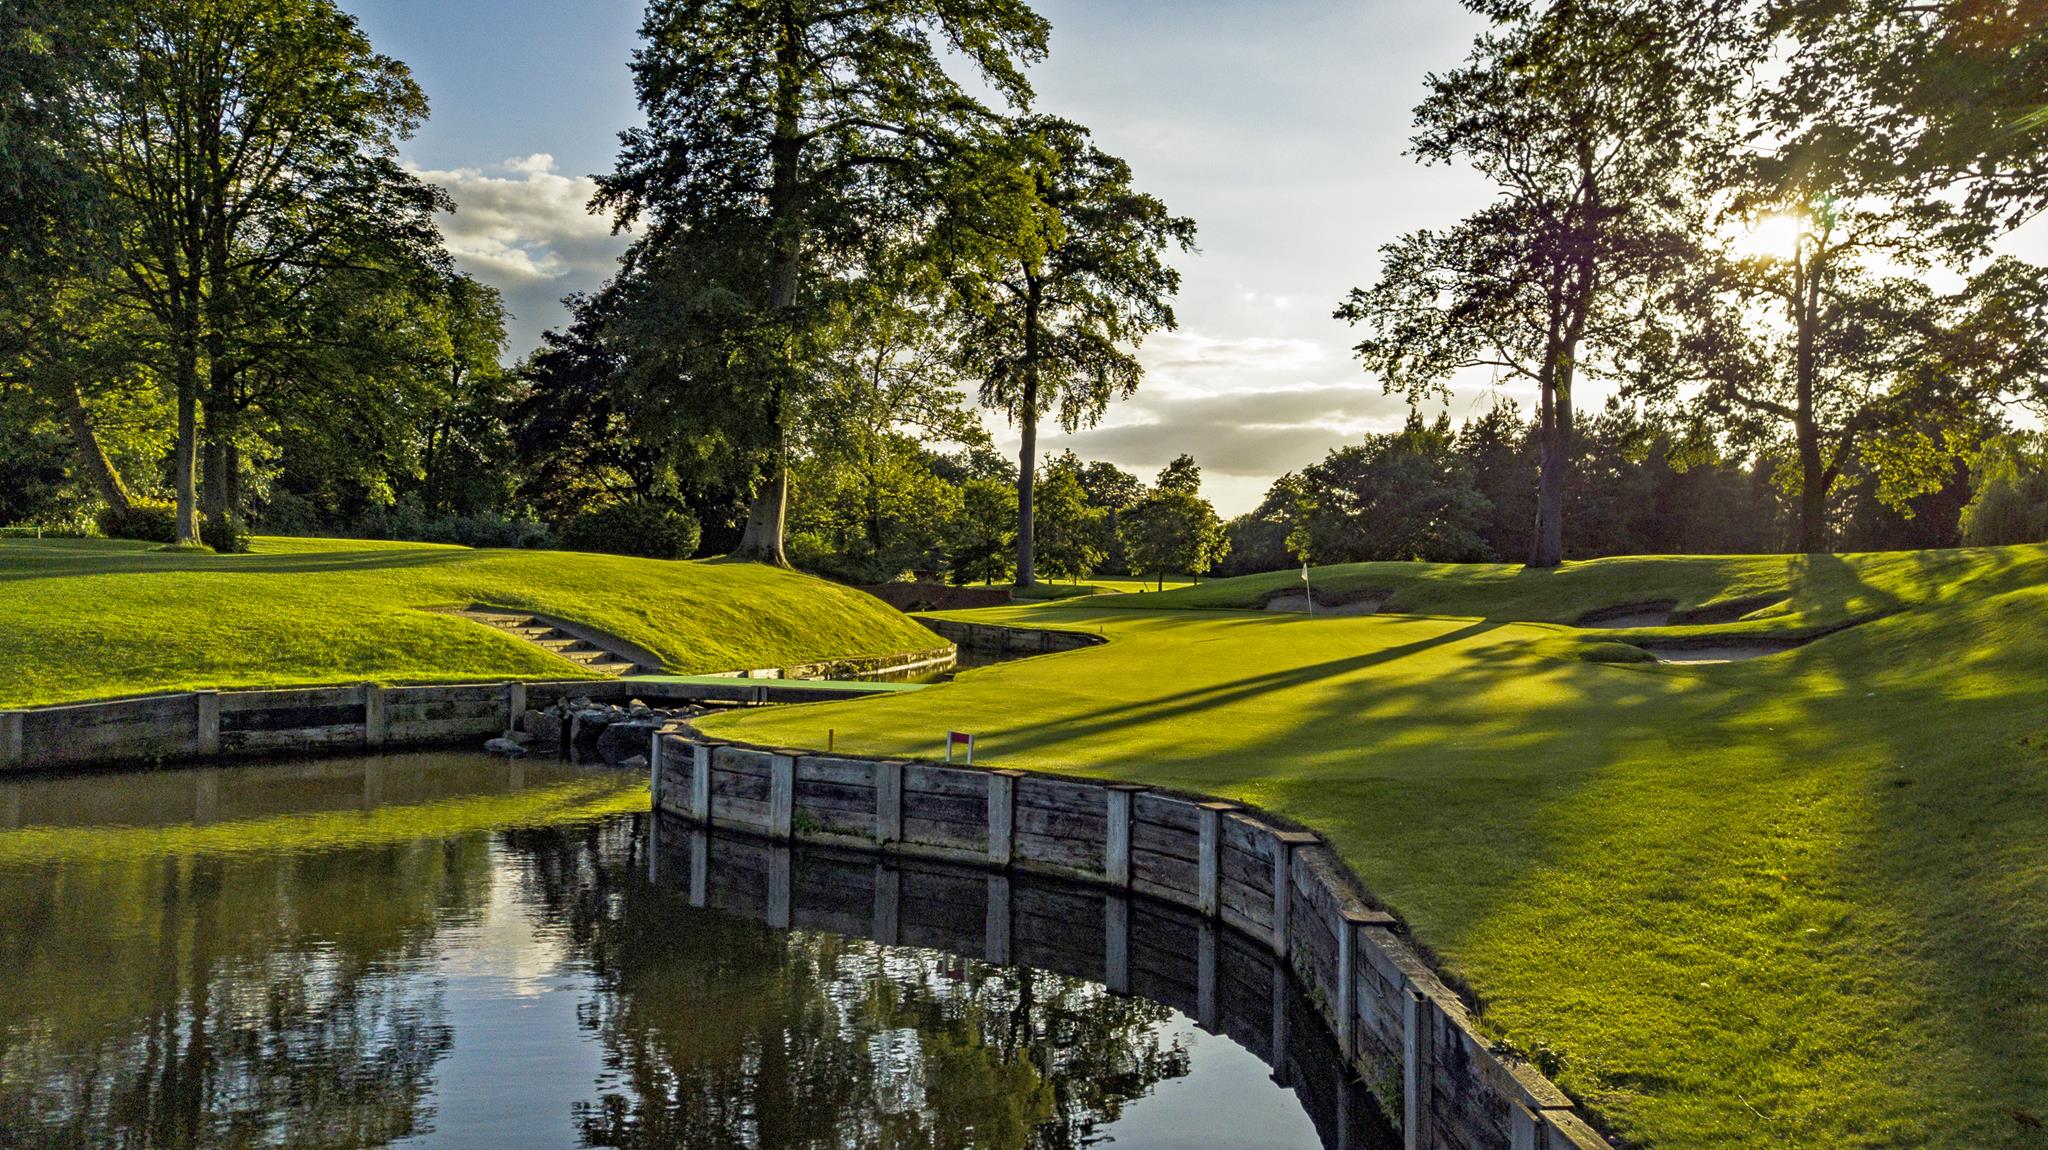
(525, 229)
(1253, 432)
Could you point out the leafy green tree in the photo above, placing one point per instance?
(781, 139)
(1172, 528)
(1059, 270)
(1070, 529)
(1582, 113)
(248, 147)
(1403, 495)
(2010, 475)
(982, 534)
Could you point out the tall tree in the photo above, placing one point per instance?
(250, 147)
(1059, 270)
(1581, 113)
(781, 138)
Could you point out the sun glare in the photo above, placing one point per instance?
(1775, 236)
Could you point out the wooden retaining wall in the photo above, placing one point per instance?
(1395, 1023)
(195, 725)
(1225, 982)
(993, 639)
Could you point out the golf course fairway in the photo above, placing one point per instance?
(1799, 901)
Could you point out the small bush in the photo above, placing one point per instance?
(226, 536)
(149, 520)
(406, 522)
(646, 529)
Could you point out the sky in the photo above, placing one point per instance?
(1279, 125)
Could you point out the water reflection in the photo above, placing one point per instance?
(446, 950)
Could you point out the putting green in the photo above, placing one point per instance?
(1801, 900)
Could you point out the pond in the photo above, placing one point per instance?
(452, 950)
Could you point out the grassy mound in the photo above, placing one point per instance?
(1796, 901)
(91, 619)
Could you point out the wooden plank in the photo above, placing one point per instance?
(1002, 812)
(888, 803)
(925, 779)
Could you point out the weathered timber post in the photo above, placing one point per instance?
(206, 722)
(374, 721)
(10, 737)
(1347, 981)
(781, 795)
(1416, 1059)
(700, 783)
(888, 905)
(1206, 1015)
(888, 803)
(1283, 1032)
(515, 705)
(1116, 943)
(700, 867)
(1523, 1133)
(1207, 895)
(1284, 845)
(654, 768)
(1116, 853)
(1002, 815)
(778, 887)
(996, 944)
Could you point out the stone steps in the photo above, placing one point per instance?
(554, 640)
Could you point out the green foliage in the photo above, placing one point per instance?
(979, 547)
(781, 141)
(1071, 533)
(1405, 495)
(1170, 531)
(224, 536)
(2010, 475)
(149, 520)
(644, 528)
(407, 523)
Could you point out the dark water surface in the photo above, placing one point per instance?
(451, 950)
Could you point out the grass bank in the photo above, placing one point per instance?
(86, 619)
(1798, 901)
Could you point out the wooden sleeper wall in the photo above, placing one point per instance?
(1396, 1024)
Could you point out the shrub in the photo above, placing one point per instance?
(225, 536)
(150, 520)
(406, 522)
(638, 527)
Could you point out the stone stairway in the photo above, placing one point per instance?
(585, 649)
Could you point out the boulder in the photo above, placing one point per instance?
(505, 747)
(622, 740)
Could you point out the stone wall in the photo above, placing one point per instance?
(1393, 1020)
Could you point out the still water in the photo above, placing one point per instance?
(450, 950)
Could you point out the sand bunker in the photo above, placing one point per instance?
(1730, 652)
(1336, 604)
(1629, 615)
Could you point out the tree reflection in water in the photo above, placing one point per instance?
(719, 1031)
(355, 953)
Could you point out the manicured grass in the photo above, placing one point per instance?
(1798, 901)
(92, 619)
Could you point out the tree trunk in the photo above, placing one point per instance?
(214, 472)
(185, 469)
(92, 457)
(1027, 455)
(762, 540)
(1027, 479)
(1813, 477)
